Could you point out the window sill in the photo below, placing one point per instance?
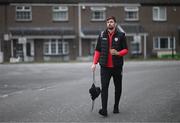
(60, 21)
(56, 54)
(159, 20)
(24, 20)
(96, 20)
(131, 20)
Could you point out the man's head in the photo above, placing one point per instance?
(111, 22)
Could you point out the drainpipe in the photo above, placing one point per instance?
(79, 30)
(172, 50)
(145, 48)
(5, 32)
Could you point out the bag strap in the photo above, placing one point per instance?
(92, 105)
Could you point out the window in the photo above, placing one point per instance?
(65, 48)
(56, 47)
(60, 47)
(135, 47)
(92, 47)
(19, 50)
(98, 13)
(46, 47)
(136, 44)
(159, 14)
(60, 13)
(23, 13)
(163, 43)
(53, 47)
(131, 13)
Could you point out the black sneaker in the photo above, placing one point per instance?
(103, 113)
(116, 110)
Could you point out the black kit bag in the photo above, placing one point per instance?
(94, 91)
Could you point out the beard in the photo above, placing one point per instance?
(110, 28)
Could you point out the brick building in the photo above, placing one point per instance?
(59, 30)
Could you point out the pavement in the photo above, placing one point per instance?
(58, 92)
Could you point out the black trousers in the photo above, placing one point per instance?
(106, 74)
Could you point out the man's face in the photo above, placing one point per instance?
(110, 24)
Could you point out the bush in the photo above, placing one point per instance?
(170, 56)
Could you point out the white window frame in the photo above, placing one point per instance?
(131, 9)
(59, 10)
(24, 9)
(98, 9)
(158, 18)
(158, 39)
(48, 43)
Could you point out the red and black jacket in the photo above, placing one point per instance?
(118, 42)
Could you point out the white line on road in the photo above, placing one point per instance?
(4, 96)
(10, 94)
(42, 89)
(20, 92)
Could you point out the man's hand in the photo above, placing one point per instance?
(114, 52)
(93, 67)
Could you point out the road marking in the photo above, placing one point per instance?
(10, 94)
(4, 96)
(42, 89)
(20, 92)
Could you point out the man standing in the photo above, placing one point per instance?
(110, 49)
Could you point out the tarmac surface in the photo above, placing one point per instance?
(58, 92)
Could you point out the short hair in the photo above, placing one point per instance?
(111, 17)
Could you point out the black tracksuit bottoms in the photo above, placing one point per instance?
(106, 74)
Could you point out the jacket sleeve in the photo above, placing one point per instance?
(96, 57)
(124, 50)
